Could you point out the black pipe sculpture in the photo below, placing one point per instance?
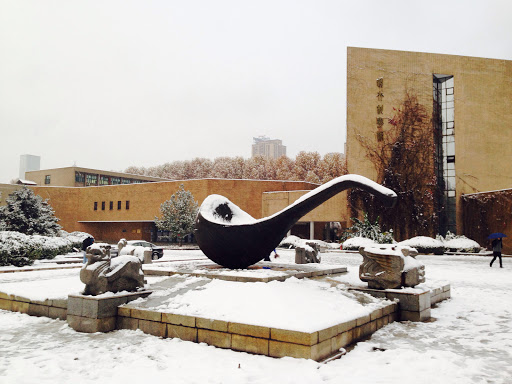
(232, 238)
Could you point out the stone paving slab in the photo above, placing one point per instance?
(281, 271)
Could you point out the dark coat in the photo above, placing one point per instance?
(87, 242)
(496, 245)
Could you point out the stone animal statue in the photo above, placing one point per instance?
(234, 239)
(390, 267)
(144, 254)
(121, 244)
(307, 254)
(102, 274)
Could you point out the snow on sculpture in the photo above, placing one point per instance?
(231, 237)
(388, 266)
(307, 253)
(102, 274)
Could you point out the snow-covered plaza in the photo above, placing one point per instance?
(468, 340)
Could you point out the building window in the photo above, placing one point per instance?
(104, 180)
(47, 179)
(127, 204)
(79, 177)
(119, 205)
(115, 180)
(125, 181)
(111, 207)
(444, 124)
(95, 205)
(91, 179)
(102, 205)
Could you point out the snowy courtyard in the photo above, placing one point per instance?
(469, 339)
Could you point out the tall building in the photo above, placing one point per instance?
(268, 148)
(469, 101)
(29, 163)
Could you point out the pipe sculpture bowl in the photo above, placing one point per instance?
(232, 238)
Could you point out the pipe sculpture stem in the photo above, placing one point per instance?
(239, 245)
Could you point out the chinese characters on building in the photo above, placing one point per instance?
(380, 108)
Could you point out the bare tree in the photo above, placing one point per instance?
(331, 166)
(308, 166)
(403, 156)
(306, 162)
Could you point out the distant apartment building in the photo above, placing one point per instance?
(268, 148)
(29, 163)
(85, 177)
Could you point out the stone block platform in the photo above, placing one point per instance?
(114, 311)
(275, 342)
(413, 304)
(97, 313)
(276, 271)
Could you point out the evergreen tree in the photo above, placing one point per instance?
(28, 213)
(178, 214)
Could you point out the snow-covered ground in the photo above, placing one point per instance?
(469, 341)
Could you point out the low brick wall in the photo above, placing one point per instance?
(37, 269)
(55, 309)
(260, 340)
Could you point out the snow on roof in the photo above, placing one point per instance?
(25, 182)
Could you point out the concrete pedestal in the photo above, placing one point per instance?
(412, 306)
(91, 314)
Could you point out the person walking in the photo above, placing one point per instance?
(496, 250)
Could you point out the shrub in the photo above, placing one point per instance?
(16, 249)
(28, 213)
(76, 238)
(459, 243)
(425, 245)
(292, 242)
(19, 249)
(354, 243)
(367, 229)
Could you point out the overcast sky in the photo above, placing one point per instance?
(109, 84)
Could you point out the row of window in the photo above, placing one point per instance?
(111, 205)
(95, 179)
